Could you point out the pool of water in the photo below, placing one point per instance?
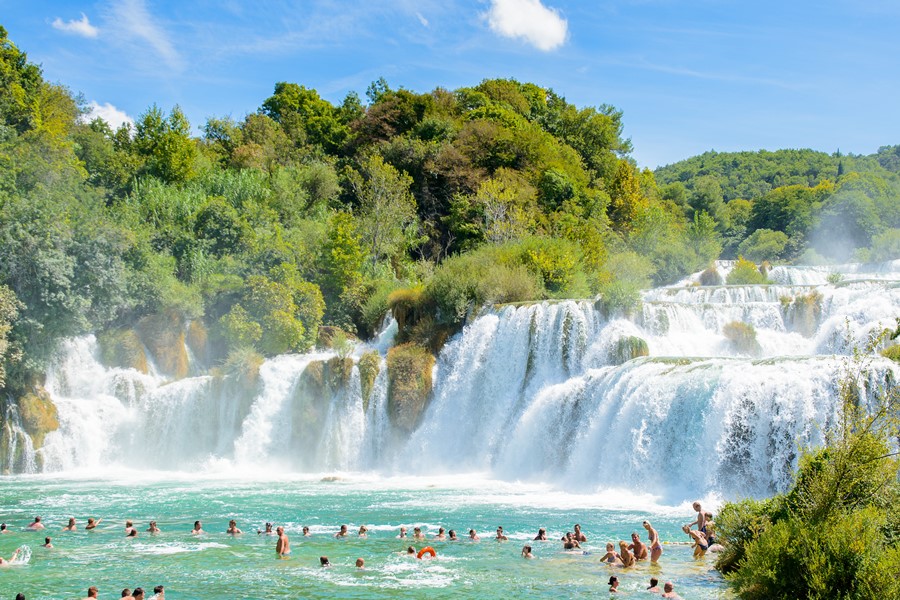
(217, 565)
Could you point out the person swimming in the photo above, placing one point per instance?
(526, 552)
(578, 535)
(198, 528)
(614, 585)
(441, 536)
(268, 530)
(402, 534)
(500, 537)
(283, 545)
(324, 562)
(360, 563)
(541, 535)
(569, 541)
(36, 525)
(128, 527)
(417, 533)
(12, 559)
(233, 528)
(92, 523)
(152, 528)
(363, 532)
(453, 537)
(473, 536)
(71, 526)
(306, 532)
(342, 533)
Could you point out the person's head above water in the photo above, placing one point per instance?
(668, 587)
(323, 560)
(360, 563)
(613, 580)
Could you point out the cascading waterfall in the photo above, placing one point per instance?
(533, 392)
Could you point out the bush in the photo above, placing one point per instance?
(745, 273)
(409, 384)
(742, 337)
(711, 277)
(764, 244)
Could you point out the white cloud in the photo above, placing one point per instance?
(80, 27)
(422, 19)
(529, 20)
(114, 117)
(136, 24)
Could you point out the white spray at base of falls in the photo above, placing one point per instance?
(524, 393)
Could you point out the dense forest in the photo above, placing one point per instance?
(303, 214)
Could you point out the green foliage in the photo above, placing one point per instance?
(711, 277)
(742, 337)
(745, 273)
(627, 348)
(9, 310)
(764, 244)
(165, 144)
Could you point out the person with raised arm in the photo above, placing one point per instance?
(92, 523)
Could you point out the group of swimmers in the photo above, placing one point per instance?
(159, 593)
(702, 541)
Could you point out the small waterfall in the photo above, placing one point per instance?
(526, 392)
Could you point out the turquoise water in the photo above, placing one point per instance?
(216, 565)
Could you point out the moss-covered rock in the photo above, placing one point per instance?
(164, 337)
(627, 348)
(197, 339)
(409, 384)
(242, 365)
(369, 367)
(802, 312)
(742, 337)
(711, 277)
(38, 415)
(122, 348)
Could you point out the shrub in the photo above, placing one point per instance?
(764, 244)
(892, 352)
(743, 337)
(627, 348)
(711, 277)
(745, 273)
(409, 384)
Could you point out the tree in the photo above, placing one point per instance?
(764, 244)
(166, 144)
(306, 117)
(9, 310)
(387, 209)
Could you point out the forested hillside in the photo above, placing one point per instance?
(256, 232)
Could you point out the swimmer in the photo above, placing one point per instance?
(342, 533)
(133, 533)
(92, 592)
(701, 518)
(153, 528)
(526, 552)
(128, 527)
(198, 528)
(613, 585)
(625, 555)
(541, 535)
(360, 563)
(283, 545)
(700, 544)
(363, 532)
(36, 525)
(138, 593)
(3, 528)
(656, 549)
(440, 534)
(611, 557)
(46, 543)
(411, 552)
(654, 586)
(453, 537)
(669, 591)
(569, 542)
(12, 559)
(473, 536)
(71, 526)
(500, 537)
(417, 533)
(638, 547)
(92, 523)
(268, 530)
(579, 536)
(402, 533)
(323, 561)
(159, 592)
(233, 528)
(306, 532)
(126, 593)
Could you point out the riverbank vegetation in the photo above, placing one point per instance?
(306, 212)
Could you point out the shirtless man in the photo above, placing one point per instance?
(700, 544)
(701, 518)
(473, 536)
(638, 547)
(569, 542)
(92, 592)
(198, 528)
(669, 591)
(91, 524)
(360, 563)
(306, 532)
(233, 528)
(3, 528)
(46, 543)
(153, 528)
(579, 536)
(654, 586)
(453, 537)
(440, 535)
(268, 530)
(159, 592)
(342, 533)
(36, 525)
(138, 593)
(283, 545)
(500, 536)
(653, 537)
(71, 526)
(417, 533)
(126, 594)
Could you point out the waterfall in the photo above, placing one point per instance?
(539, 392)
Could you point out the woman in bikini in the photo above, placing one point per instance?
(653, 537)
(611, 557)
(700, 544)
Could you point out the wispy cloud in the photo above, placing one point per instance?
(133, 23)
(80, 27)
(114, 117)
(529, 20)
(422, 19)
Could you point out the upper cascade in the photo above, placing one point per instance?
(703, 390)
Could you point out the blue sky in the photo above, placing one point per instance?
(689, 75)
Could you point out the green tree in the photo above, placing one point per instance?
(166, 145)
(764, 244)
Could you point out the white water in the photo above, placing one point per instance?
(524, 393)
